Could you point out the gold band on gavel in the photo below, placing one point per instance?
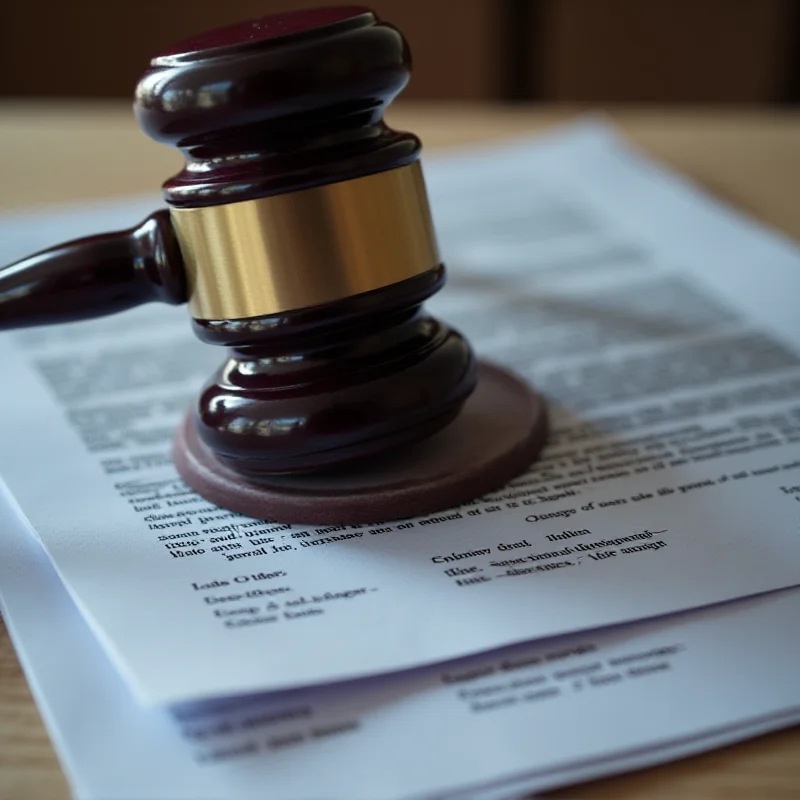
(300, 249)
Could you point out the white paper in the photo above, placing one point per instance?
(663, 330)
(663, 689)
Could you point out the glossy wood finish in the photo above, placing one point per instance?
(336, 383)
(496, 436)
(94, 276)
(271, 106)
(278, 104)
(54, 153)
(274, 333)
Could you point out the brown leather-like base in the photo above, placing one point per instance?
(497, 435)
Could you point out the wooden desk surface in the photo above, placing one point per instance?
(52, 153)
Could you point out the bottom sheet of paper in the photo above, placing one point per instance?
(491, 727)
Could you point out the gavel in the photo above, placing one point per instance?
(300, 235)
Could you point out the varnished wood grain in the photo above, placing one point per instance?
(28, 766)
(51, 153)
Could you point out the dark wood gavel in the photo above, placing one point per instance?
(300, 235)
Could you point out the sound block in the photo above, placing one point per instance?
(496, 436)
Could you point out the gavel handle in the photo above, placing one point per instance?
(94, 276)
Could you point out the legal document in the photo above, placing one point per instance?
(663, 332)
(491, 727)
(154, 628)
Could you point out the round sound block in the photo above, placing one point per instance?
(496, 436)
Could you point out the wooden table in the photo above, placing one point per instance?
(51, 153)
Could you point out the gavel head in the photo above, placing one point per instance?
(307, 240)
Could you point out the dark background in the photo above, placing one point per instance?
(570, 51)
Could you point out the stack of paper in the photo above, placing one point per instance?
(625, 602)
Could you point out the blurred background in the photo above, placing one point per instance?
(563, 51)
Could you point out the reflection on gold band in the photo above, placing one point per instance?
(304, 248)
